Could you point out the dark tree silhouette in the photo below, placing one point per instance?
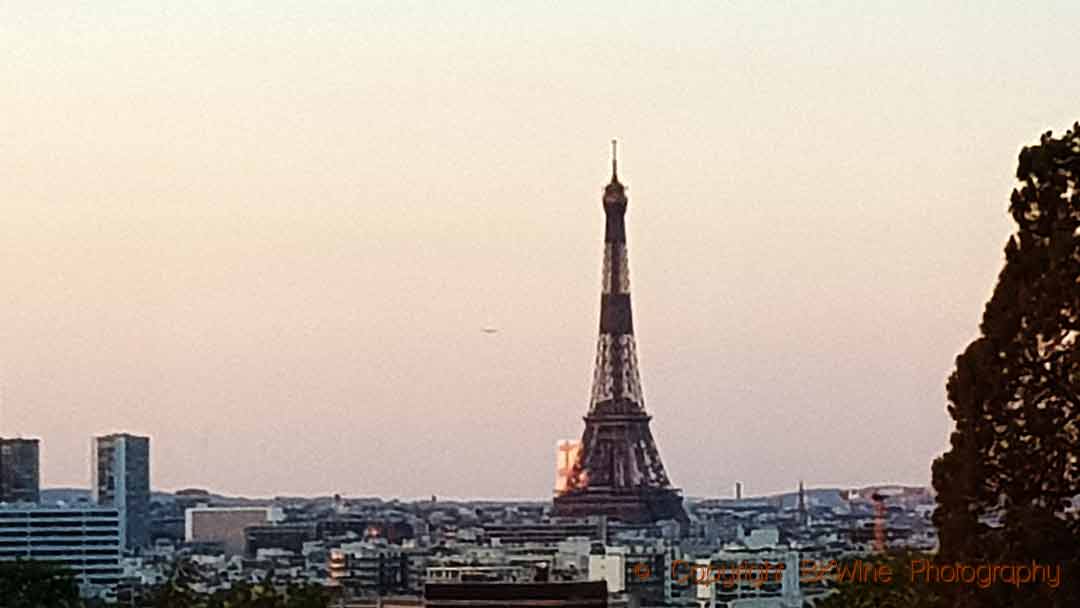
(900, 592)
(176, 592)
(1005, 486)
(33, 584)
(307, 596)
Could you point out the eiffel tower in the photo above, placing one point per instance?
(618, 472)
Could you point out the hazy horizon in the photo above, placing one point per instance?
(452, 498)
(269, 236)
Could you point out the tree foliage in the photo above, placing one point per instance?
(1006, 484)
(177, 592)
(900, 592)
(34, 584)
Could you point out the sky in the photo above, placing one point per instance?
(268, 234)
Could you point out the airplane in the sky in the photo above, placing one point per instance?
(490, 330)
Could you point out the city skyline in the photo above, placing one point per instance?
(272, 242)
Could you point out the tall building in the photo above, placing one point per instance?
(120, 477)
(618, 471)
(20, 476)
(87, 540)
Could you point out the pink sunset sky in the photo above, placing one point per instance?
(269, 234)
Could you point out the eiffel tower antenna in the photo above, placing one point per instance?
(614, 161)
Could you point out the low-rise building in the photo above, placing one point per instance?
(369, 568)
(86, 540)
(225, 525)
(548, 531)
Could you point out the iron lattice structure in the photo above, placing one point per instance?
(618, 472)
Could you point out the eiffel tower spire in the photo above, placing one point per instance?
(619, 472)
(614, 161)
